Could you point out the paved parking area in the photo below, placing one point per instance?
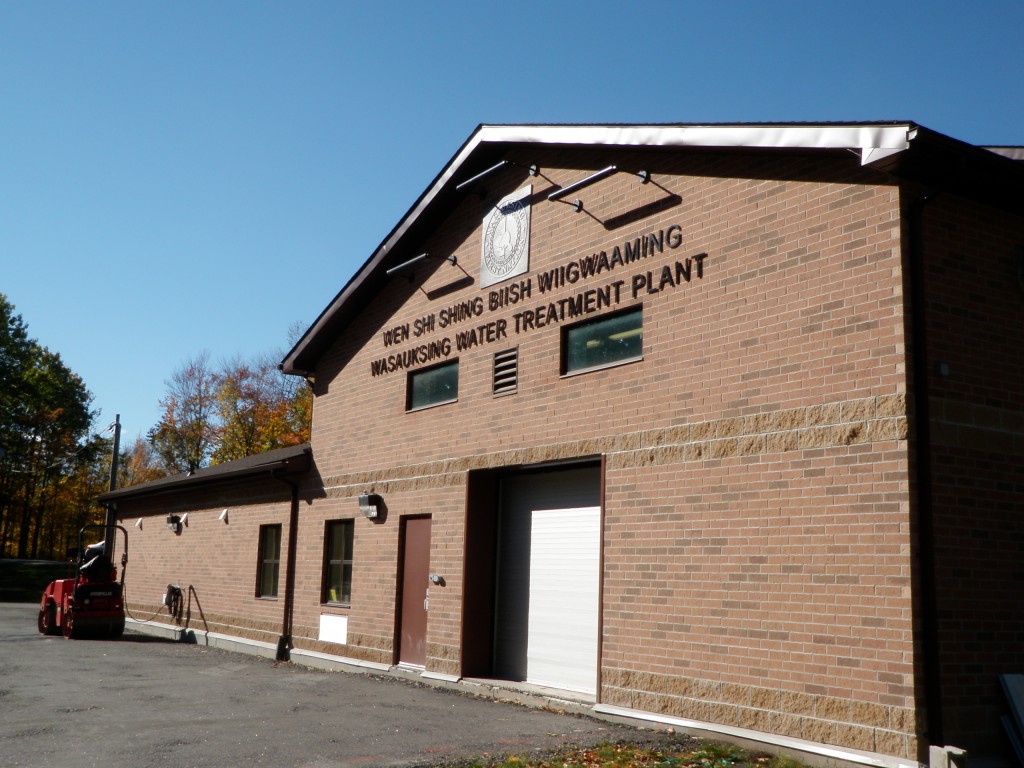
(141, 701)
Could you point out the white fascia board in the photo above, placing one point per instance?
(872, 141)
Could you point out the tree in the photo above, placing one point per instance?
(45, 421)
(187, 433)
(139, 464)
(258, 410)
(244, 408)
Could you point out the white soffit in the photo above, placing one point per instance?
(874, 142)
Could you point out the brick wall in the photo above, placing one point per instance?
(218, 560)
(975, 306)
(756, 518)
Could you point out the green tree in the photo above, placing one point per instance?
(45, 419)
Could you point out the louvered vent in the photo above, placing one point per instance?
(506, 371)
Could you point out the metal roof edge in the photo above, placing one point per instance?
(854, 136)
(271, 461)
(873, 141)
(290, 361)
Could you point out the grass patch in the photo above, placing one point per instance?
(620, 755)
(23, 581)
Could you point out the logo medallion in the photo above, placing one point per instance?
(506, 238)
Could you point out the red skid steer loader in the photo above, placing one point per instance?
(92, 603)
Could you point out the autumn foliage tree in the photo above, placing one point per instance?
(185, 437)
(241, 409)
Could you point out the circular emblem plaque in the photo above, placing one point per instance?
(506, 239)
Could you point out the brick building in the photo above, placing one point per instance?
(718, 426)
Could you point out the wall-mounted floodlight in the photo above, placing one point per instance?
(223, 517)
(369, 504)
(174, 523)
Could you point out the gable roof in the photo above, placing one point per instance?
(883, 145)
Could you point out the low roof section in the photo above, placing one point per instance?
(287, 462)
(903, 149)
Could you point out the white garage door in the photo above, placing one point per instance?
(549, 560)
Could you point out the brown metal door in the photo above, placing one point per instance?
(412, 647)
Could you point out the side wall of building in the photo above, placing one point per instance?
(756, 517)
(215, 563)
(975, 303)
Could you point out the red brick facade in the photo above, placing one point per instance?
(762, 533)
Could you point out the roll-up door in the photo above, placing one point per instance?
(548, 579)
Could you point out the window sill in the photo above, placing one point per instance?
(432, 405)
(602, 367)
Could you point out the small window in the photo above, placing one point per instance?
(612, 339)
(433, 386)
(270, 561)
(337, 580)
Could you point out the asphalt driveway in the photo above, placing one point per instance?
(141, 701)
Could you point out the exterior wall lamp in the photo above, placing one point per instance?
(223, 517)
(174, 523)
(369, 504)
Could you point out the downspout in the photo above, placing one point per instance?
(922, 437)
(284, 643)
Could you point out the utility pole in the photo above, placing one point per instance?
(109, 536)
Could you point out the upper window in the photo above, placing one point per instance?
(338, 562)
(609, 340)
(270, 561)
(433, 386)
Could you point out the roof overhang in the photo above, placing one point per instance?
(881, 145)
(283, 462)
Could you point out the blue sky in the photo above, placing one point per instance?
(186, 177)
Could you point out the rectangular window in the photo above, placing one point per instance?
(337, 579)
(433, 386)
(609, 340)
(270, 561)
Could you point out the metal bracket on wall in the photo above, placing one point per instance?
(604, 173)
(533, 170)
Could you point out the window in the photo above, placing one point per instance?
(337, 580)
(270, 561)
(609, 340)
(433, 386)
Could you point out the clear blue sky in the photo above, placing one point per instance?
(190, 176)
